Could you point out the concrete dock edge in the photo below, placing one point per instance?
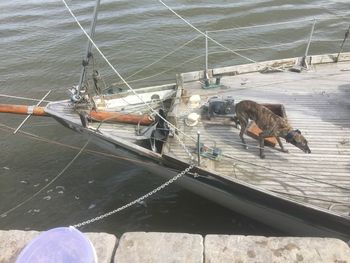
(140, 247)
(157, 247)
(225, 248)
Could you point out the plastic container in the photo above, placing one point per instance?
(59, 245)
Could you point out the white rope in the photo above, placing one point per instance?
(167, 70)
(22, 123)
(49, 141)
(36, 137)
(171, 125)
(21, 98)
(163, 57)
(105, 58)
(327, 40)
(118, 74)
(48, 184)
(212, 53)
(257, 26)
(205, 35)
(329, 17)
(260, 48)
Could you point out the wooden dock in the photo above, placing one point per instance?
(154, 247)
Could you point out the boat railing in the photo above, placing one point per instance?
(298, 38)
(304, 37)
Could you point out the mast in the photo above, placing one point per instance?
(77, 96)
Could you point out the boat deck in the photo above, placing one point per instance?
(317, 102)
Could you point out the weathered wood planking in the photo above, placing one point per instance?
(317, 102)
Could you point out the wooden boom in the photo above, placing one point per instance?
(23, 109)
(104, 116)
(107, 116)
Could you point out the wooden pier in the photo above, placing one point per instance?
(154, 247)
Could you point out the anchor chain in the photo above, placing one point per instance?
(136, 200)
(184, 147)
(148, 194)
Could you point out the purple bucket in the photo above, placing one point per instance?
(59, 245)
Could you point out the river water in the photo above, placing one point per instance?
(41, 49)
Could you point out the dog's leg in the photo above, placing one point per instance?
(241, 133)
(209, 112)
(242, 138)
(262, 137)
(261, 144)
(281, 145)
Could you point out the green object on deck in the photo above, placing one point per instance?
(212, 153)
(210, 86)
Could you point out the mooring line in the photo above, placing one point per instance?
(4, 214)
(30, 114)
(42, 139)
(21, 98)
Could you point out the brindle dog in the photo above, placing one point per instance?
(271, 125)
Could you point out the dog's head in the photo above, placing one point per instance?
(297, 139)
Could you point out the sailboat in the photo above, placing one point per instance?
(171, 128)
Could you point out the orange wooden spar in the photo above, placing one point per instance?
(104, 116)
(107, 116)
(23, 109)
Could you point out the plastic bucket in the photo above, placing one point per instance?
(59, 245)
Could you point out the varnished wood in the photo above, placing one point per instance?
(22, 109)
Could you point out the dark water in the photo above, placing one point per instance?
(41, 49)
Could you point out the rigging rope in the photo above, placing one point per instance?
(21, 98)
(125, 82)
(163, 57)
(42, 139)
(118, 74)
(211, 53)
(329, 17)
(48, 184)
(257, 26)
(36, 137)
(202, 33)
(39, 138)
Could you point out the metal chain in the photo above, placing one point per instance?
(137, 200)
(184, 147)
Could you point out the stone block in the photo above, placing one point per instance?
(104, 244)
(159, 248)
(239, 249)
(12, 242)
